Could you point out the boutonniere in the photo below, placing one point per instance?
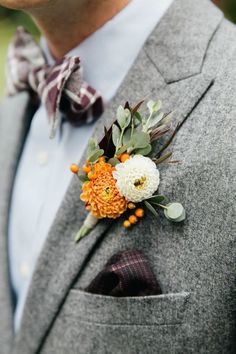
(121, 175)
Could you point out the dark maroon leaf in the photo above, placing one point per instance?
(169, 141)
(127, 106)
(138, 105)
(106, 143)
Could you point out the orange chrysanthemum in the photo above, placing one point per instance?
(100, 194)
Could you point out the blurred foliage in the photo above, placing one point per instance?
(229, 8)
(10, 20)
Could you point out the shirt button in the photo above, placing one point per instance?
(24, 270)
(42, 158)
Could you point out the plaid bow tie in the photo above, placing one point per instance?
(59, 87)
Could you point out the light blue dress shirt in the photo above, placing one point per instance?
(43, 174)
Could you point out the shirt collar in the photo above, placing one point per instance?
(116, 45)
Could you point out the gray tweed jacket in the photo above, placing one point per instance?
(189, 62)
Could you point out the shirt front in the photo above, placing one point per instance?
(43, 174)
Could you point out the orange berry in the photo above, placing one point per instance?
(126, 224)
(92, 175)
(131, 205)
(139, 212)
(124, 157)
(86, 168)
(133, 219)
(74, 168)
(102, 159)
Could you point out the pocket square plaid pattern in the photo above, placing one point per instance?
(127, 273)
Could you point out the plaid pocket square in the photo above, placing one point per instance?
(127, 273)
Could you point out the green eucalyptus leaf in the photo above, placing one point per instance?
(121, 150)
(128, 117)
(92, 146)
(113, 161)
(144, 151)
(156, 199)
(95, 156)
(154, 106)
(116, 135)
(175, 212)
(130, 149)
(155, 120)
(140, 140)
(126, 137)
(123, 117)
(92, 143)
(120, 114)
(182, 217)
(138, 117)
(151, 209)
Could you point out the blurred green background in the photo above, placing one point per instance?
(9, 20)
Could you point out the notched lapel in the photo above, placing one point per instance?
(178, 45)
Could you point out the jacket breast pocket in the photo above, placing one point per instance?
(100, 324)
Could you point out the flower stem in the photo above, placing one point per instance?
(82, 233)
(162, 206)
(120, 140)
(88, 225)
(148, 120)
(132, 126)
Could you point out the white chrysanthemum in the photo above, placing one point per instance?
(137, 178)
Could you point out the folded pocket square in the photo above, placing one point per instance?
(127, 273)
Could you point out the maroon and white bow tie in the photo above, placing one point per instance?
(59, 87)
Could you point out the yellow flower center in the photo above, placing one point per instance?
(107, 193)
(140, 183)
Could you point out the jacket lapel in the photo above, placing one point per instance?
(154, 74)
(15, 116)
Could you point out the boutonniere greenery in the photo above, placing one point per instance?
(121, 176)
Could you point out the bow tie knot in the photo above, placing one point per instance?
(60, 87)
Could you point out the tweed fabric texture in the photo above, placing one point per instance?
(127, 273)
(194, 262)
(60, 87)
(16, 135)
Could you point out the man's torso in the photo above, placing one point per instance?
(194, 262)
